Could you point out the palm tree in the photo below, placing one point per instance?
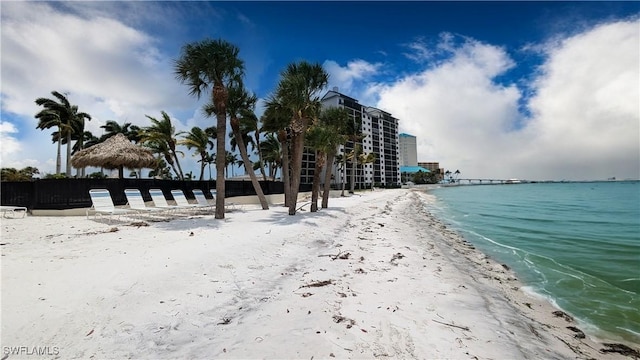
(230, 159)
(78, 134)
(111, 128)
(364, 160)
(318, 138)
(341, 160)
(75, 130)
(298, 91)
(257, 130)
(212, 64)
(161, 169)
(162, 149)
(87, 139)
(47, 119)
(66, 117)
(271, 154)
(276, 121)
(325, 137)
(132, 132)
(352, 157)
(162, 133)
(212, 132)
(208, 160)
(353, 131)
(336, 119)
(198, 139)
(448, 175)
(240, 107)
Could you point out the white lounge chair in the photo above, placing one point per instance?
(181, 200)
(202, 200)
(227, 205)
(102, 204)
(161, 202)
(136, 202)
(13, 210)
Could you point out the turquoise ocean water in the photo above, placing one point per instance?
(578, 244)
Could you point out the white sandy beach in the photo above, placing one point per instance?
(373, 276)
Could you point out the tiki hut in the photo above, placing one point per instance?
(117, 152)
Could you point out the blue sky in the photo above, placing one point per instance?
(533, 90)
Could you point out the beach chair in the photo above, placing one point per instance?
(13, 210)
(136, 202)
(202, 200)
(102, 204)
(228, 206)
(181, 200)
(161, 202)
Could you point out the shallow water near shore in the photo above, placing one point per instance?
(578, 244)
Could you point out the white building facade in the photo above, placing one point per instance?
(408, 150)
(380, 137)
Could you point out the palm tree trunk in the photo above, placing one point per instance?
(59, 155)
(220, 99)
(297, 140)
(68, 168)
(354, 167)
(202, 165)
(264, 174)
(327, 179)
(168, 158)
(315, 187)
(248, 166)
(284, 144)
(80, 172)
(344, 174)
(175, 157)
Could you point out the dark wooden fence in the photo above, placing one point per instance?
(60, 194)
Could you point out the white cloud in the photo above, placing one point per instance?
(585, 111)
(355, 71)
(108, 69)
(420, 51)
(455, 109)
(8, 143)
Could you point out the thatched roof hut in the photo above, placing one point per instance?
(117, 152)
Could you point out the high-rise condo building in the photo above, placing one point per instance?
(408, 150)
(379, 136)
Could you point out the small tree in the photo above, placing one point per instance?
(12, 174)
(364, 159)
(199, 140)
(298, 92)
(66, 117)
(336, 119)
(162, 134)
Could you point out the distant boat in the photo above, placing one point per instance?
(513, 181)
